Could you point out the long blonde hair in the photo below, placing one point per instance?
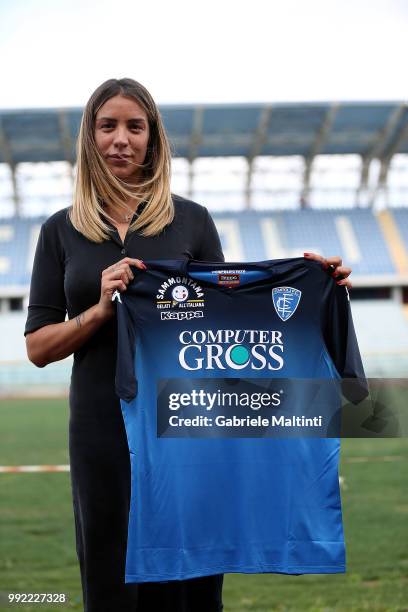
(95, 184)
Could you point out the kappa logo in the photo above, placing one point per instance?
(285, 300)
(180, 315)
(116, 296)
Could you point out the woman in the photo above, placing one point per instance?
(122, 212)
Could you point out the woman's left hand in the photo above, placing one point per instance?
(339, 269)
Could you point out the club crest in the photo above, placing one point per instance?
(285, 301)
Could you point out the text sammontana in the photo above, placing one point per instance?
(179, 280)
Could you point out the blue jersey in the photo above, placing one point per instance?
(224, 371)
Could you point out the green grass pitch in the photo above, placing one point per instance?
(37, 546)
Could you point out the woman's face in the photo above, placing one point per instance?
(122, 135)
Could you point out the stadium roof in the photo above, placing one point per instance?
(372, 130)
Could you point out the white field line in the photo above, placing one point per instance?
(7, 469)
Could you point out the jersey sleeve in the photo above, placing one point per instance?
(342, 345)
(210, 245)
(125, 379)
(47, 303)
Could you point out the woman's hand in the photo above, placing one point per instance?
(338, 269)
(116, 277)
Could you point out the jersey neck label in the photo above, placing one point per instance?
(228, 279)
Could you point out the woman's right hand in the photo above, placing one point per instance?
(116, 277)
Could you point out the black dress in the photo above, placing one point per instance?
(67, 278)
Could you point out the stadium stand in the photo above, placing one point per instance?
(250, 236)
(382, 328)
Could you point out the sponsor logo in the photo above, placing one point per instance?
(285, 300)
(234, 349)
(179, 293)
(178, 315)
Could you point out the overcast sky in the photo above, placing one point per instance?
(56, 52)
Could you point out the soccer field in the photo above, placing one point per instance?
(37, 544)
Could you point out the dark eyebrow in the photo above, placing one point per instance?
(140, 119)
